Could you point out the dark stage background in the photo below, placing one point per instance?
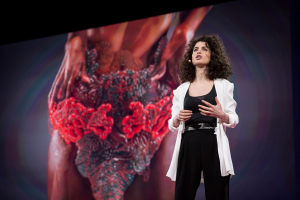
(258, 38)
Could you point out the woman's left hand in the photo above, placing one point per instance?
(212, 110)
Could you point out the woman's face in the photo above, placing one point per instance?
(201, 54)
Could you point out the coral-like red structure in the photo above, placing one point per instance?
(118, 121)
(99, 123)
(110, 161)
(72, 119)
(152, 118)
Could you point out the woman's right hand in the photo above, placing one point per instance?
(183, 115)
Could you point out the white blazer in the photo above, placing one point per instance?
(224, 91)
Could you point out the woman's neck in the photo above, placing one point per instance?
(201, 74)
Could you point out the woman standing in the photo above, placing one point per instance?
(203, 106)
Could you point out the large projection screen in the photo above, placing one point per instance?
(72, 106)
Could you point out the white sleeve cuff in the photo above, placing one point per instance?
(171, 125)
(232, 122)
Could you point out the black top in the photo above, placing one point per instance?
(191, 103)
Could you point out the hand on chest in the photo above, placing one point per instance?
(195, 94)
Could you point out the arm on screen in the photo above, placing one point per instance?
(60, 158)
(73, 64)
(153, 29)
(182, 34)
(81, 34)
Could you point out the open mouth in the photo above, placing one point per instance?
(198, 57)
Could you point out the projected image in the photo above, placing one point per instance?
(109, 106)
(84, 114)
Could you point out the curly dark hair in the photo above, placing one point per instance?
(218, 67)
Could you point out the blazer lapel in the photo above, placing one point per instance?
(218, 87)
(184, 90)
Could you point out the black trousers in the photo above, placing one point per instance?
(199, 151)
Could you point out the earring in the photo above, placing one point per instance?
(190, 61)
